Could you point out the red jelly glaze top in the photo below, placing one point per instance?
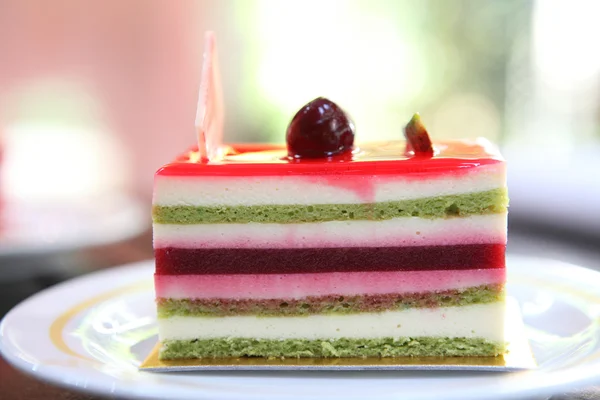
(387, 158)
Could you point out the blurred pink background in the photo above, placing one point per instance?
(137, 60)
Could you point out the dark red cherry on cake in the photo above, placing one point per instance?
(320, 129)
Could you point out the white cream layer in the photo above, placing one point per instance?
(410, 231)
(476, 321)
(306, 190)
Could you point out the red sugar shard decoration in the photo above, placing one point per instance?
(210, 109)
(417, 138)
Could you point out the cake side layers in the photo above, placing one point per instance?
(485, 321)
(173, 261)
(298, 286)
(409, 231)
(493, 201)
(329, 304)
(341, 188)
(296, 348)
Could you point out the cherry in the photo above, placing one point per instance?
(320, 129)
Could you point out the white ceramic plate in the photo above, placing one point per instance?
(28, 230)
(92, 333)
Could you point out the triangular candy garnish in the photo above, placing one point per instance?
(210, 110)
(417, 138)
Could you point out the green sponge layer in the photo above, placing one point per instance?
(296, 348)
(331, 304)
(488, 202)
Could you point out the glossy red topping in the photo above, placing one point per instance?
(320, 129)
(370, 159)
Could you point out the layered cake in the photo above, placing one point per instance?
(326, 249)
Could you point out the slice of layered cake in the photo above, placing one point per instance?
(326, 249)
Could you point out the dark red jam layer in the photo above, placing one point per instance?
(174, 261)
(370, 159)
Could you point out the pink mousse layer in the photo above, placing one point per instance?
(295, 286)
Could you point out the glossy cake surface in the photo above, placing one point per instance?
(376, 252)
(381, 158)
